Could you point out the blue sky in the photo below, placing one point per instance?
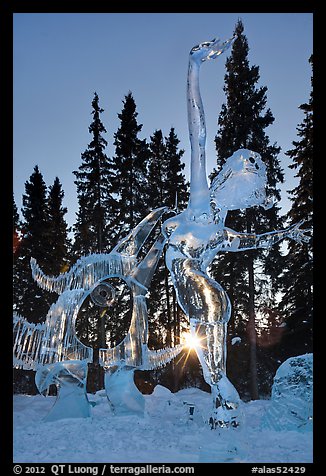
(61, 59)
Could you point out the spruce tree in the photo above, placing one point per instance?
(16, 229)
(297, 301)
(31, 301)
(176, 197)
(156, 170)
(42, 235)
(158, 306)
(242, 123)
(93, 231)
(176, 188)
(22, 383)
(167, 187)
(130, 167)
(57, 241)
(129, 185)
(16, 241)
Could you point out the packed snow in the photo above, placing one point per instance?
(166, 433)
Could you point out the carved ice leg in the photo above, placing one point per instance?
(122, 392)
(208, 307)
(70, 379)
(212, 356)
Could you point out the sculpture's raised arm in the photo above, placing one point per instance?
(235, 241)
(199, 190)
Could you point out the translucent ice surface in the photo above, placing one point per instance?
(196, 235)
(122, 392)
(70, 380)
(53, 349)
(240, 183)
(292, 396)
(192, 239)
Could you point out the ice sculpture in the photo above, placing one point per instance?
(124, 396)
(70, 377)
(193, 239)
(55, 352)
(197, 234)
(292, 396)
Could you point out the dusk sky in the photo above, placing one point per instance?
(60, 60)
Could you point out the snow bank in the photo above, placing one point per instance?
(165, 434)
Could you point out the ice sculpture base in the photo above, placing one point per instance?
(72, 402)
(70, 380)
(122, 393)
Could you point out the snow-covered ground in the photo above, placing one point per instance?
(164, 435)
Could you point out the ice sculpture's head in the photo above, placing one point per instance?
(209, 49)
(241, 183)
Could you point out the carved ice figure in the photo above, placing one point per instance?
(197, 234)
(55, 352)
(70, 378)
(194, 238)
(123, 395)
(292, 396)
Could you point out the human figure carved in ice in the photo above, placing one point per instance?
(197, 234)
(55, 352)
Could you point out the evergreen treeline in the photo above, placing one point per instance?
(255, 279)
(270, 292)
(296, 304)
(250, 278)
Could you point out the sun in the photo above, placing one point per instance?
(191, 340)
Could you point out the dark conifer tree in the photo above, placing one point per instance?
(16, 229)
(43, 236)
(297, 301)
(156, 170)
(57, 242)
(166, 187)
(94, 231)
(242, 123)
(130, 166)
(156, 303)
(166, 184)
(176, 188)
(94, 180)
(16, 241)
(22, 383)
(29, 300)
(165, 172)
(176, 197)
